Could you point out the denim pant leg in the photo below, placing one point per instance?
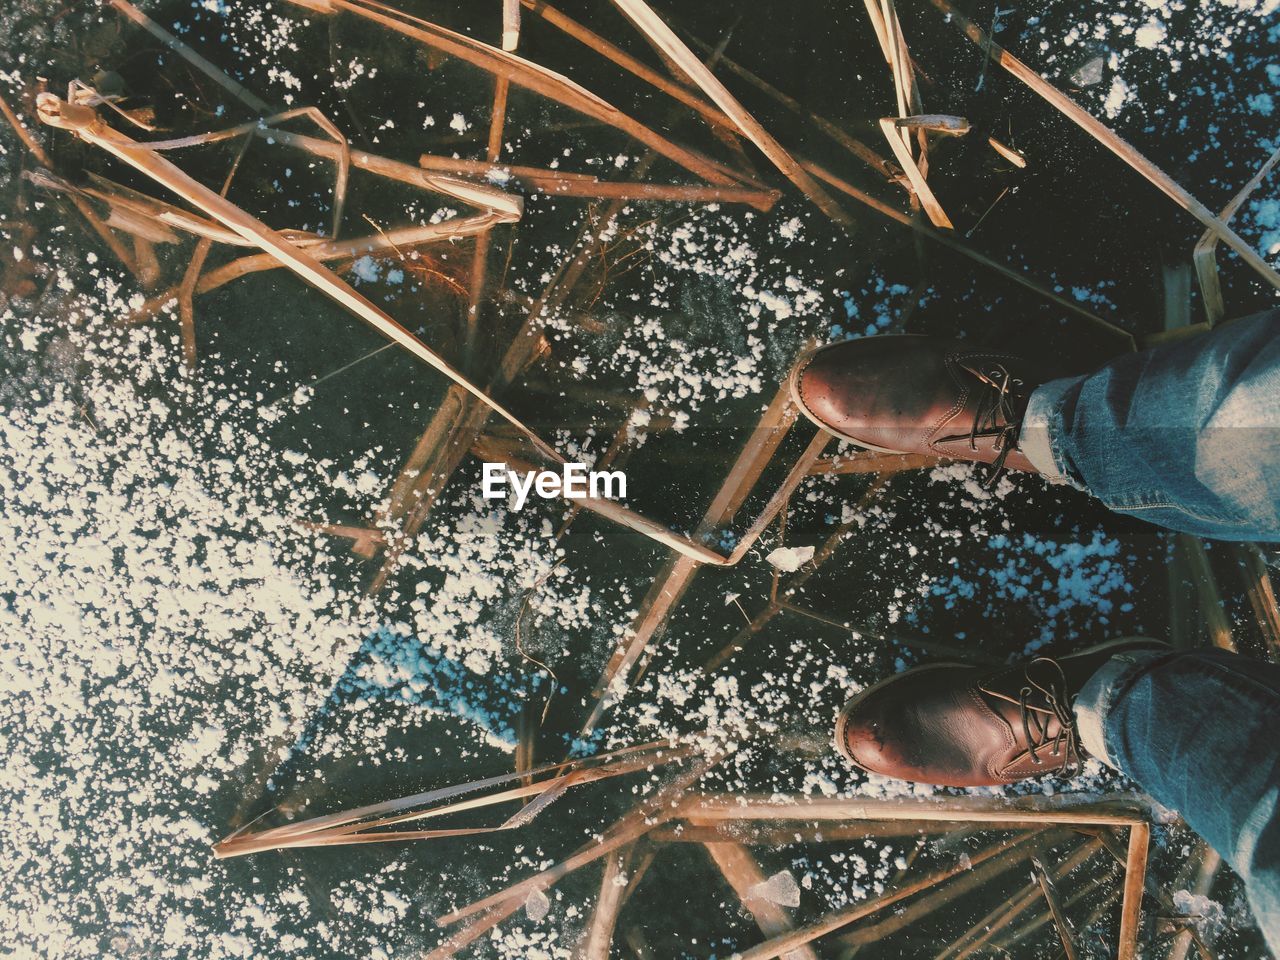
(1186, 435)
(1198, 732)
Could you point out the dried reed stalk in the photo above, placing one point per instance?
(604, 915)
(564, 184)
(85, 124)
(531, 76)
(506, 207)
(34, 147)
(1129, 810)
(742, 873)
(924, 193)
(1093, 884)
(613, 683)
(677, 573)
(136, 212)
(904, 82)
(1203, 866)
(1109, 139)
(780, 945)
(664, 39)
(875, 161)
(1066, 932)
(1204, 256)
(638, 68)
(357, 825)
(497, 124)
(1206, 587)
(1015, 157)
(647, 815)
(976, 879)
(1135, 873)
(1262, 595)
(777, 605)
(510, 25)
(977, 936)
(765, 834)
(399, 239)
(245, 96)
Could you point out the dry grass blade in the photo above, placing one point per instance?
(1087, 810)
(1262, 596)
(561, 183)
(758, 833)
(919, 185)
(1135, 873)
(86, 124)
(1109, 139)
(638, 68)
(1088, 888)
(787, 942)
(935, 123)
(664, 39)
(1015, 157)
(1206, 587)
(532, 76)
(37, 150)
(1066, 933)
(1204, 256)
(356, 826)
(974, 880)
(743, 874)
(402, 238)
(678, 572)
(598, 938)
(506, 207)
(247, 97)
(1005, 914)
(510, 25)
(651, 811)
(1202, 869)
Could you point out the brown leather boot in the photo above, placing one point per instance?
(963, 726)
(910, 394)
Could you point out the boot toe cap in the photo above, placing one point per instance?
(875, 391)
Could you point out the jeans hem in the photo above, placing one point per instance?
(1038, 440)
(1093, 703)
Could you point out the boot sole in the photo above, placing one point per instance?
(842, 718)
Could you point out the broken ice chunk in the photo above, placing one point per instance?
(536, 905)
(781, 889)
(789, 559)
(1089, 72)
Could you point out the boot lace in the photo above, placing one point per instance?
(996, 414)
(1036, 723)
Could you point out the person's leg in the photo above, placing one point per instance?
(1186, 435)
(1198, 732)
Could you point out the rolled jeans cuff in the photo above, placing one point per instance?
(1093, 703)
(1038, 440)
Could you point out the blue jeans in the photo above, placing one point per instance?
(1197, 730)
(1186, 435)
